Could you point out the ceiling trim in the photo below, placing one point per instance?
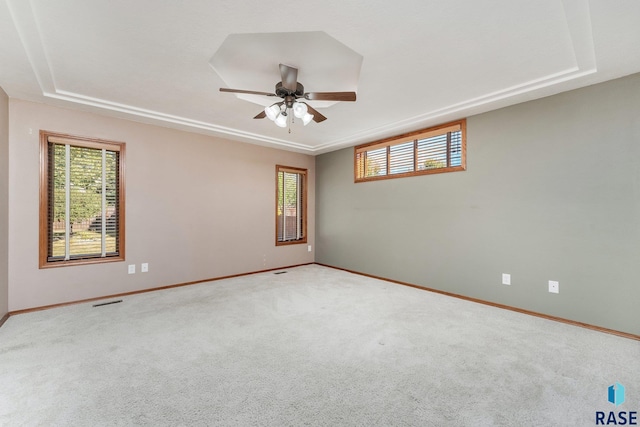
(578, 20)
(169, 118)
(460, 108)
(27, 27)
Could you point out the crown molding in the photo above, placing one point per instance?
(578, 20)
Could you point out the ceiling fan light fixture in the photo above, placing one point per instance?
(272, 111)
(281, 120)
(290, 90)
(306, 118)
(299, 109)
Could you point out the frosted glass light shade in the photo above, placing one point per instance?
(272, 111)
(307, 118)
(299, 109)
(281, 120)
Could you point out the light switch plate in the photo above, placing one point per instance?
(144, 267)
(554, 287)
(506, 278)
(132, 269)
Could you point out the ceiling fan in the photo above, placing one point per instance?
(290, 90)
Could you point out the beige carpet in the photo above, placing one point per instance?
(313, 346)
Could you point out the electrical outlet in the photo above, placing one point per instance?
(144, 267)
(554, 287)
(132, 269)
(506, 279)
(308, 248)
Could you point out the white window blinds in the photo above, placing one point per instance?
(291, 202)
(83, 217)
(439, 149)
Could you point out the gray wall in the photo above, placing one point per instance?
(4, 203)
(551, 192)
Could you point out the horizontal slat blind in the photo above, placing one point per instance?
(112, 197)
(418, 153)
(291, 215)
(57, 201)
(375, 162)
(291, 205)
(456, 148)
(79, 142)
(432, 152)
(425, 134)
(401, 158)
(82, 223)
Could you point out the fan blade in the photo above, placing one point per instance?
(317, 117)
(248, 92)
(289, 77)
(262, 115)
(330, 96)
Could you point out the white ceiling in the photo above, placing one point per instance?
(424, 62)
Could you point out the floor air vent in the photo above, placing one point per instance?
(280, 272)
(107, 303)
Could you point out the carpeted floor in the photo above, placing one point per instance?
(314, 346)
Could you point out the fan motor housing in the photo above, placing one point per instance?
(283, 92)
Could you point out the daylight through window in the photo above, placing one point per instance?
(291, 205)
(434, 150)
(82, 198)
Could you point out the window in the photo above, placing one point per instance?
(434, 150)
(81, 200)
(291, 205)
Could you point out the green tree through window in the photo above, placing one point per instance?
(83, 219)
(291, 210)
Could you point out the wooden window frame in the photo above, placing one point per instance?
(460, 125)
(305, 180)
(45, 138)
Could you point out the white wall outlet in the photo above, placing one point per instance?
(506, 279)
(554, 287)
(308, 248)
(132, 269)
(144, 267)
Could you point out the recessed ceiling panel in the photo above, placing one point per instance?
(250, 62)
